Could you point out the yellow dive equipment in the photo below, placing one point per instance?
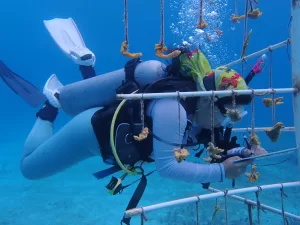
(128, 170)
(115, 185)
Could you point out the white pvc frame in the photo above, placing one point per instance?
(295, 37)
(263, 206)
(189, 94)
(261, 129)
(143, 210)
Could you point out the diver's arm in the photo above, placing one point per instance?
(164, 113)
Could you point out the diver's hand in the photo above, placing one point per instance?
(234, 170)
(248, 153)
(258, 150)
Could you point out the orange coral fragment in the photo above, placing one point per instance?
(159, 49)
(181, 154)
(124, 48)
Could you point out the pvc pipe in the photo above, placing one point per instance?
(261, 129)
(140, 210)
(206, 93)
(258, 53)
(263, 206)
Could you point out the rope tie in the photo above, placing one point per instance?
(160, 48)
(250, 207)
(142, 111)
(273, 106)
(179, 124)
(246, 62)
(233, 99)
(162, 19)
(202, 24)
(124, 46)
(246, 19)
(197, 211)
(243, 61)
(289, 40)
(143, 217)
(271, 84)
(287, 49)
(126, 20)
(282, 194)
(245, 32)
(226, 209)
(258, 203)
(252, 114)
(212, 115)
(251, 5)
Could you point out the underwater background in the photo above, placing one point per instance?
(75, 196)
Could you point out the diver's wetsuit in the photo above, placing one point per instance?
(46, 153)
(164, 113)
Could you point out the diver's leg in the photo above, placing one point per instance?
(46, 154)
(42, 129)
(87, 71)
(258, 68)
(249, 77)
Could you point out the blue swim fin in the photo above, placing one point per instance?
(31, 94)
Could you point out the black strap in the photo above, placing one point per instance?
(209, 83)
(129, 85)
(137, 195)
(129, 69)
(131, 119)
(104, 173)
(205, 185)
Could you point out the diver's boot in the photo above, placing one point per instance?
(86, 59)
(51, 91)
(83, 56)
(260, 64)
(48, 112)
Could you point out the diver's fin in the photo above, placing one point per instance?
(31, 94)
(67, 36)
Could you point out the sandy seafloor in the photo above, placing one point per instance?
(74, 197)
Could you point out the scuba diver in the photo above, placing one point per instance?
(171, 122)
(46, 153)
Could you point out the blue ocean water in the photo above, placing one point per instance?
(74, 196)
